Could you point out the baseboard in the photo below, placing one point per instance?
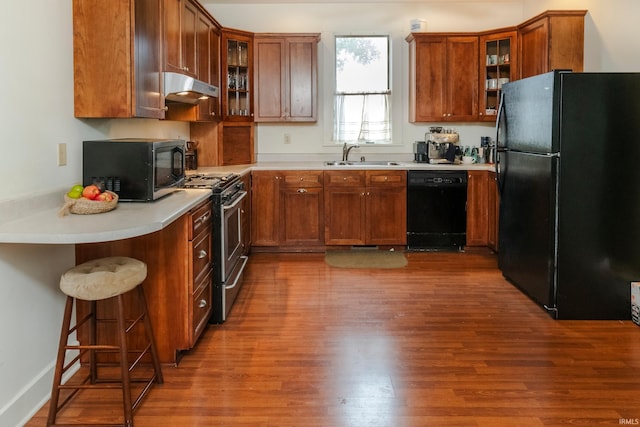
(33, 396)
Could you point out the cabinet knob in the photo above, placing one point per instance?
(302, 190)
(202, 254)
(203, 303)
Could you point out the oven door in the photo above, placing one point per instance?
(231, 235)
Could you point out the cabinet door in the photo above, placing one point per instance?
(462, 79)
(386, 213)
(497, 63)
(265, 223)
(189, 23)
(117, 65)
(427, 80)
(345, 215)
(533, 52)
(386, 208)
(301, 81)
(237, 143)
(301, 216)
(173, 35)
(269, 72)
(237, 66)
(477, 208)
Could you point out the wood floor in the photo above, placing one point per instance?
(445, 341)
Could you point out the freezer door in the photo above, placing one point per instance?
(528, 114)
(528, 221)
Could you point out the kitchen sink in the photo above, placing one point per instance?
(365, 163)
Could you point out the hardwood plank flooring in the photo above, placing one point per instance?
(445, 341)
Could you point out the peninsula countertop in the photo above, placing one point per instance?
(38, 222)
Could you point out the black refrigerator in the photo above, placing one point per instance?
(569, 182)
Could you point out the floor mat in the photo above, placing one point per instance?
(365, 258)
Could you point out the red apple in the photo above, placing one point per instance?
(104, 197)
(90, 192)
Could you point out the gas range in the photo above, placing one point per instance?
(227, 243)
(224, 187)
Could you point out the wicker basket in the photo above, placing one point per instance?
(84, 206)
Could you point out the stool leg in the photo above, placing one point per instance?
(62, 350)
(124, 365)
(150, 337)
(93, 366)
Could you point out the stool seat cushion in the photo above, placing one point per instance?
(103, 278)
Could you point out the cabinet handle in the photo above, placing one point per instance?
(185, 68)
(302, 190)
(203, 303)
(202, 254)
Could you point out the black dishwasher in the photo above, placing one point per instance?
(436, 210)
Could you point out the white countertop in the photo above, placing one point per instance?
(41, 224)
(320, 165)
(35, 220)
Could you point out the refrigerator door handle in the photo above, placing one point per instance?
(500, 121)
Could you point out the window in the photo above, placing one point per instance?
(362, 104)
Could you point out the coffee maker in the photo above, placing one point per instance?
(440, 146)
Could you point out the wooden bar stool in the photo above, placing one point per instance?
(93, 281)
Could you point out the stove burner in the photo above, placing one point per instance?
(218, 183)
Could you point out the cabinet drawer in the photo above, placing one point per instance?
(386, 178)
(201, 306)
(200, 219)
(339, 178)
(302, 178)
(201, 255)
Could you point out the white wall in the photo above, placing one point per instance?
(611, 31)
(36, 113)
(358, 18)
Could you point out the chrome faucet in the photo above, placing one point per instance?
(346, 148)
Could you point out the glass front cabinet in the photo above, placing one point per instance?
(498, 66)
(237, 58)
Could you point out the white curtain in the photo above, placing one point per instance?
(362, 118)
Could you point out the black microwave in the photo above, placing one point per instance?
(136, 169)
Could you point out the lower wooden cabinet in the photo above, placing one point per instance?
(477, 208)
(288, 208)
(178, 283)
(483, 204)
(365, 207)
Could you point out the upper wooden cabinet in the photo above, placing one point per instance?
(286, 75)
(498, 65)
(237, 60)
(550, 41)
(443, 77)
(117, 59)
(180, 29)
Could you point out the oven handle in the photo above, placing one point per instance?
(244, 259)
(236, 201)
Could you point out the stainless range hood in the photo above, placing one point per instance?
(182, 88)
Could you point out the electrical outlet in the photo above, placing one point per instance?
(62, 154)
(287, 138)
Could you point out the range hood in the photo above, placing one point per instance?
(182, 88)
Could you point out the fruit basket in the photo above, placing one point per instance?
(84, 206)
